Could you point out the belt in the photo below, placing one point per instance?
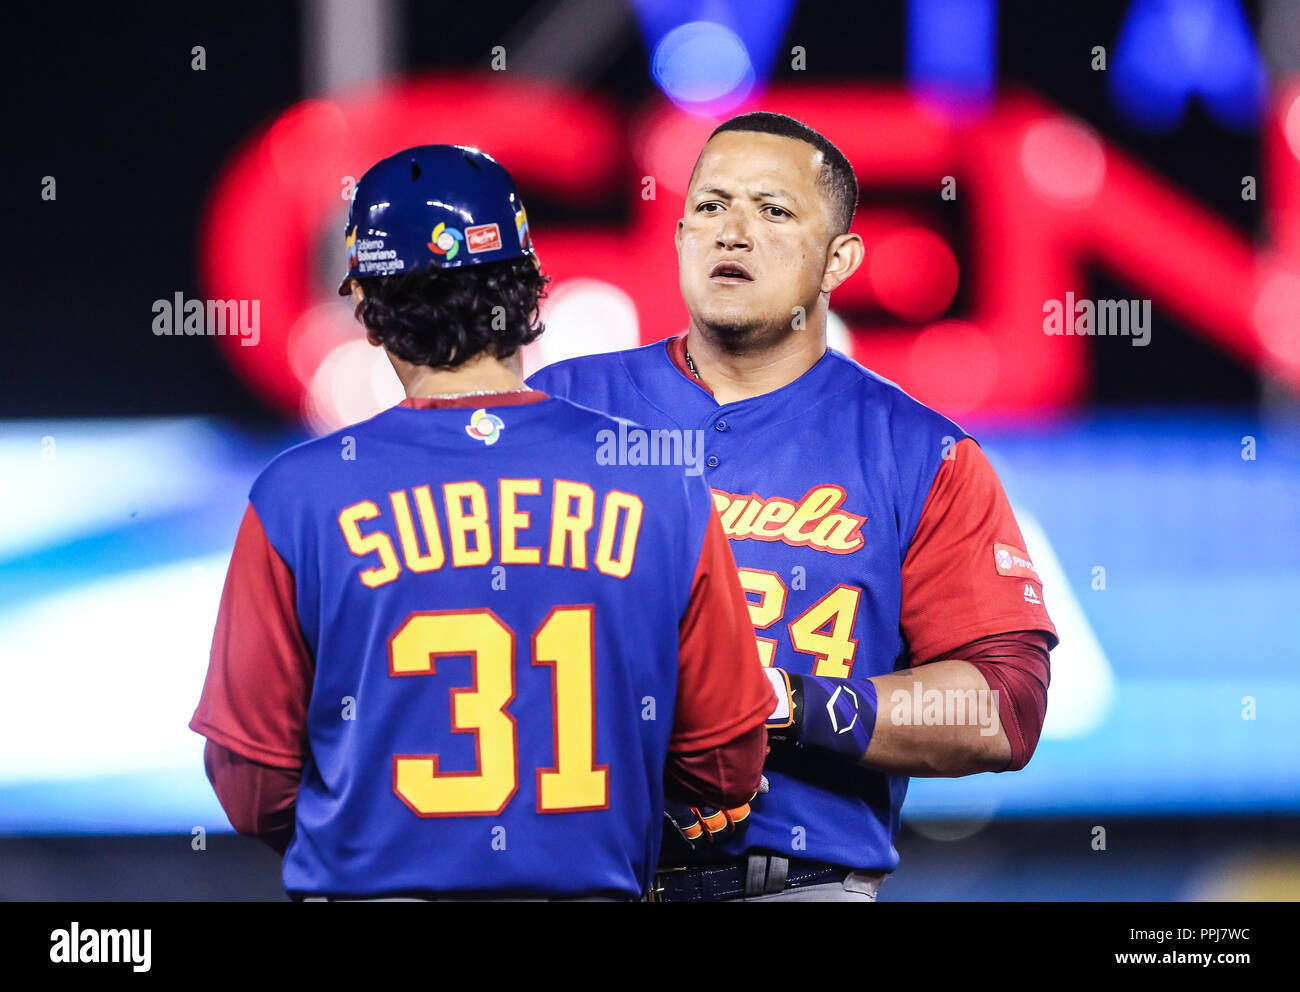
(756, 875)
(437, 898)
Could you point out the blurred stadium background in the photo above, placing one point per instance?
(1002, 167)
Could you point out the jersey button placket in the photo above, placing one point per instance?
(722, 427)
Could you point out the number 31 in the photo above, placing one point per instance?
(565, 641)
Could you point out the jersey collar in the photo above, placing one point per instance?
(473, 402)
(825, 375)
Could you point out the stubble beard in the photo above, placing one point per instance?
(736, 334)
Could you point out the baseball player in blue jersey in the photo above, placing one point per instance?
(899, 615)
(450, 642)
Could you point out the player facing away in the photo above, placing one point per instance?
(449, 641)
(888, 583)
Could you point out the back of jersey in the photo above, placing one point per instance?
(493, 618)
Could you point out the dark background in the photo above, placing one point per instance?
(110, 107)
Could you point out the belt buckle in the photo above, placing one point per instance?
(657, 890)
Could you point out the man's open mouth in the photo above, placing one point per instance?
(730, 272)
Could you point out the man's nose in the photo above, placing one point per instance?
(734, 232)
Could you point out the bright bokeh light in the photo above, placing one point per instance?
(354, 382)
(1291, 126)
(1064, 160)
(307, 144)
(703, 67)
(1277, 315)
(838, 335)
(953, 366)
(670, 147)
(320, 330)
(913, 273)
(583, 317)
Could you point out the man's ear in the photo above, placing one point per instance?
(843, 256)
(677, 236)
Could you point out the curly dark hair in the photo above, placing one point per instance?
(444, 317)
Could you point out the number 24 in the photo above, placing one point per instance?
(838, 609)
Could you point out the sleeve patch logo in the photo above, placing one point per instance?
(1013, 561)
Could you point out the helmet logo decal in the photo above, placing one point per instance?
(484, 426)
(445, 241)
(352, 247)
(485, 237)
(521, 228)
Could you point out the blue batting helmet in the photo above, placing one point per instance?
(440, 206)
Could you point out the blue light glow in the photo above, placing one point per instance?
(709, 55)
(952, 51)
(702, 63)
(1170, 50)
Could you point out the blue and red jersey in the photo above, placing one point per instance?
(479, 646)
(871, 534)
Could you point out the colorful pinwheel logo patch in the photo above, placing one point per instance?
(445, 241)
(484, 426)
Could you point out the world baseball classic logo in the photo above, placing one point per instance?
(484, 426)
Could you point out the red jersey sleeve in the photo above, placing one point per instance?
(722, 692)
(966, 573)
(259, 679)
(722, 777)
(1016, 666)
(258, 799)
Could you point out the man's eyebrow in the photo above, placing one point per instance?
(778, 194)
